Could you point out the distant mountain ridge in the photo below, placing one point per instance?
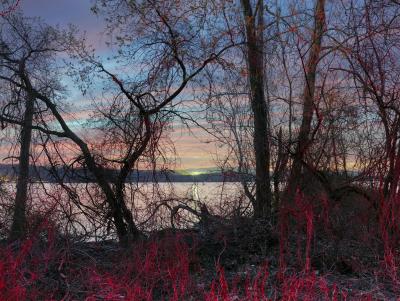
(81, 175)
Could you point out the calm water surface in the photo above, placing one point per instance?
(141, 197)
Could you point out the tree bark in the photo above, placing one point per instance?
(18, 228)
(254, 31)
(308, 101)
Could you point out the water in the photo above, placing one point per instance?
(79, 208)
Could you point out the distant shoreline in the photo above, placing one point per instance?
(80, 175)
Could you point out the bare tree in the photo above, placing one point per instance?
(136, 114)
(370, 51)
(21, 42)
(19, 219)
(310, 74)
(254, 26)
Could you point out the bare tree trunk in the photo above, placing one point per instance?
(281, 163)
(132, 232)
(125, 226)
(308, 101)
(18, 228)
(254, 31)
(123, 220)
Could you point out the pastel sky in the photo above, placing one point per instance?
(193, 151)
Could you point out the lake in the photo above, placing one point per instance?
(81, 209)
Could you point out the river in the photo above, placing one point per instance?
(82, 210)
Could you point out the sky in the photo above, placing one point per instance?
(193, 151)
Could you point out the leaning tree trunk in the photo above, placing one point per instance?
(123, 220)
(18, 228)
(125, 226)
(254, 31)
(308, 101)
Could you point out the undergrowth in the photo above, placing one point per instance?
(44, 267)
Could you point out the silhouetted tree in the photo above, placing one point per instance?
(310, 75)
(254, 26)
(24, 44)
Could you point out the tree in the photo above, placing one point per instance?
(310, 75)
(18, 228)
(372, 63)
(137, 106)
(21, 42)
(254, 27)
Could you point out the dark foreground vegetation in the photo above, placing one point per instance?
(299, 100)
(330, 254)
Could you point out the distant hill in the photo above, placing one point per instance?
(81, 175)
